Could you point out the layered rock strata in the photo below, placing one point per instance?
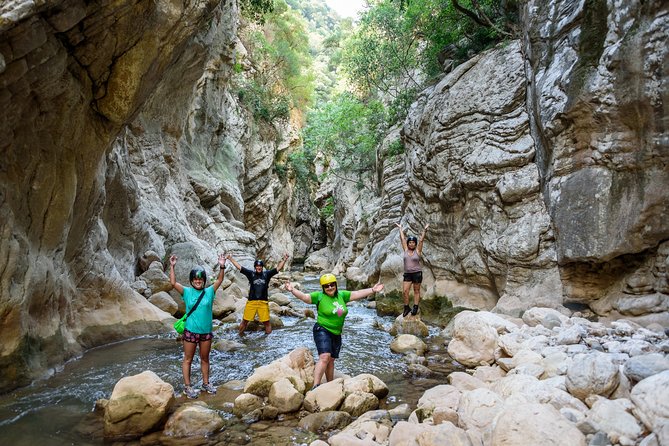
(541, 169)
(122, 142)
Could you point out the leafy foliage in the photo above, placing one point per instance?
(395, 148)
(398, 41)
(255, 10)
(328, 208)
(283, 79)
(347, 131)
(301, 163)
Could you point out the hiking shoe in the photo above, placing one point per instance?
(190, 392)
(414, 310)
(209, 388)
(407, 310)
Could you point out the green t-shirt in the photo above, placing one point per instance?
(331, 310)
(200, 321)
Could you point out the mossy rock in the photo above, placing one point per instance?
(389, 303)
(439, 310)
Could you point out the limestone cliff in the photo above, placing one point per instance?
(120, 136)
(541, 166)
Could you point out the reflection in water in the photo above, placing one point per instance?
(55, 411)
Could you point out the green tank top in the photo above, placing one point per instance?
(331, 310)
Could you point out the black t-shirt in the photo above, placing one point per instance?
(259, 282)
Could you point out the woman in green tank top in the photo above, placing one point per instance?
(332, 310)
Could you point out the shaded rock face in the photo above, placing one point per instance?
(596, 97)
(540, 166)
(119, 136)
(469, 173)
(472, 177)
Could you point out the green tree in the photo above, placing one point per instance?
(400, 42)
(255, 10)
(282, 79)
(347, 131)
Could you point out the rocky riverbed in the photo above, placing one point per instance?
(548, 378)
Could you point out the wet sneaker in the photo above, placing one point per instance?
(209, 388)
(190, 392)
(407, 310)
(414, 310)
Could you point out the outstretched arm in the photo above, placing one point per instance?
(234, 262)
(221, 271)
(361, 294)
(419, 247)
(304, 297)
(173, 278)
(282, 263)
(403, 239)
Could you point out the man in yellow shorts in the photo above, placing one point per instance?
(259, 284)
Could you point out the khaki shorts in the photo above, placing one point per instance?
(256, 306)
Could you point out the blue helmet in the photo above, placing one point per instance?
(198, 273)
(412, 238)
(258, 263)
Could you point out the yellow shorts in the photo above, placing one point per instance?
(256, 306)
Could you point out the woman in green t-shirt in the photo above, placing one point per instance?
(331, 306)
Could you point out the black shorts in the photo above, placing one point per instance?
(326, 342)
(414, 277)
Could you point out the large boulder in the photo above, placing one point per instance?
(547, 427)
(366, 382)
(193, 420)
(326, 397)
(407, 343)
(138, 404)
(405, 433)
(592, 374)
(325, 421)
(474, 340)
(297, 367)
(651, 398)
(357, 403)
(285, 397)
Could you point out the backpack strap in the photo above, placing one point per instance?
(196, 303)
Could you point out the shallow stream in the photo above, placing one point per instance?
(59, 410)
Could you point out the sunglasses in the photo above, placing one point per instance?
(330, 285)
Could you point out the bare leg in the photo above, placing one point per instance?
(321, 367)
(189, 352)
(329, 370)
(406, 286)
(205, 348)
(268, 327)
(242, 327)
(416, 293)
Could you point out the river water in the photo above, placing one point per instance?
(59, 410)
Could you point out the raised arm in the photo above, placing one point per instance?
(304, 297)
(282, 263)
(234, 262)
(403, 239)
(221, 271)
(173, 278)
(419, 247)
(361, 294)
